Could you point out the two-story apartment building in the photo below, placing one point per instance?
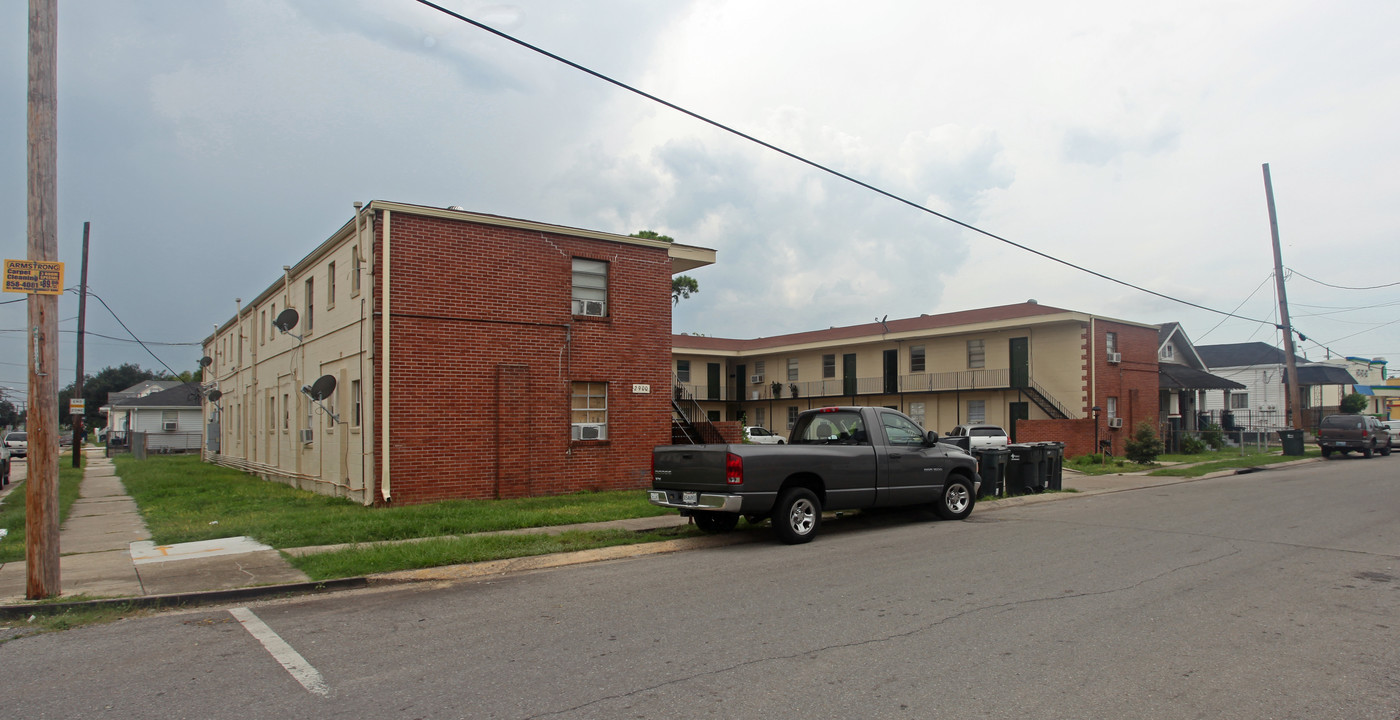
(1037, 370)
(471, 356)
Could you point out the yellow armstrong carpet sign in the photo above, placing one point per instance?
(34, 276)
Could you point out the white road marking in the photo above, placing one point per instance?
(282, 652)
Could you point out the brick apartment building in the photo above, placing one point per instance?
(1034, 369)
(473, 356)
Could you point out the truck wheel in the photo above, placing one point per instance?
(715, 522)
(1326, 452)
(956, 502)
(1369, 452)
(1385, 451)
(797, 515)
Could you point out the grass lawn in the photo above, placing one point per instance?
(183, 499)
(12, 509)
(1191, 465)
(1233, 461)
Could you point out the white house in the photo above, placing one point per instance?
(172, 419)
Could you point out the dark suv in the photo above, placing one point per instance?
(1344, 433)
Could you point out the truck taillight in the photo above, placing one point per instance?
(733, 469)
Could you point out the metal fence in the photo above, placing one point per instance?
(141, 444)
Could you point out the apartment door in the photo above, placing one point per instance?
(1018, 411)
(891, 372)
(712, 373)
(741, 383)
(1020, 362)
(848, 374)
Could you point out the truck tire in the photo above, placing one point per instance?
(797, 516)
(956, 501)
(1326, 452)
(1385, 451)
(1369, 452)
(715, 522)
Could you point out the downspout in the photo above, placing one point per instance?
(367, 492)
(384, 368)
(1093, 365)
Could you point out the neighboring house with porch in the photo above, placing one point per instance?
(1036, 370)
(1185, 382)
(171, 419)
(119, 422)
(1262, 369)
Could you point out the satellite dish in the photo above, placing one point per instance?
(286, 320)
(322, 388)
(214, 395)
(206, 361)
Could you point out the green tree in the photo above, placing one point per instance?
(10, 416)
(97, 387)
(1144, 446)
(1354, 403)
(682, 286)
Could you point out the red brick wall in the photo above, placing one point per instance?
(1134, 381)
(731, 430)
(484, 348)
(1077, 435)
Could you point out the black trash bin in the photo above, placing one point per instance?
(1025, 469)
(991, 465)
(1054, 465)
(1292, 441)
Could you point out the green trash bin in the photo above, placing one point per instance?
(1292, 441)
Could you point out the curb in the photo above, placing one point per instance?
(452, 573)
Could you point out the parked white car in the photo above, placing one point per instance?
(981, 436)
(17, 444)
(764, 436)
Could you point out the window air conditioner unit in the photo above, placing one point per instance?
(1115, 422)
(756, 379)
(307, 436)
(590, 432)
(169, 424)
(1115, 358)
(593, 308)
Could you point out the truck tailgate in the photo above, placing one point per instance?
(692, 467)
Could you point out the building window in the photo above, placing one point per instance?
(1111, 341)
(712, 415)
(976, 411)
(590, 293)
(1239, 401)
(1112, 406)
(590, 411)
(286, 414)
(916, 359)
(828, 366)
(355, 277)
(792, 416)
(310, 304)
(758, 369)
(758, 418)
(330, 285)
(792, 369)
(683, 370)
(169, 419)
(976, 354)
(356, 400)
(262, 325)
(916, 413)
(273, 328)
(1168, 352)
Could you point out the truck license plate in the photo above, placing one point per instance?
(1341, 444)
(690, 498)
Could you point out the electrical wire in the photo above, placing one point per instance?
(1342, 287)
(819, 166)
(1257, 288)
(132, 334)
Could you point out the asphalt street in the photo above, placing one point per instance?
(1269, 595)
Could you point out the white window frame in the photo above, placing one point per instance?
(590, 287)
(792, 370)
(918, 361)
(588, 409)
(976, 412)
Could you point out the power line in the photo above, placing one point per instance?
(1342, 287)
(132, 334)
(819, 166)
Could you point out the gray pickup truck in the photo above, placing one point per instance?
(838, 458)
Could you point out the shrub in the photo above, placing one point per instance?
(1192, 445)
(1214, 436)
(1354, 403)
(1144, 446)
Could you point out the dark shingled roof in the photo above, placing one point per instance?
(1242, 355)
(1171, 376)
(180, 396)
(1322, 375)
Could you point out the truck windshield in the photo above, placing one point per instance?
(831, 427)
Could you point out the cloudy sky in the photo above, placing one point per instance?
(210, 143)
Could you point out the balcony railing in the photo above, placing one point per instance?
(838, 387)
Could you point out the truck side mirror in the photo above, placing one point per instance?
(931, 437)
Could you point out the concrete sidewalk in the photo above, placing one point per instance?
(106, 550)
(100, 544)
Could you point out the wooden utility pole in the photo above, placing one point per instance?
(80, 418)
(41, 496)
(1292, 410)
